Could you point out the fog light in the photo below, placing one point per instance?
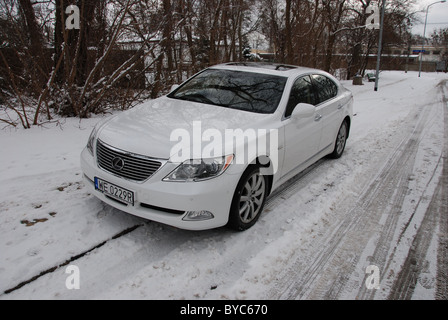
(198, 216)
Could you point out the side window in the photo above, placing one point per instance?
(302, 92)
(326, 89)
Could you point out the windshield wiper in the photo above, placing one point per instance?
(197, 97)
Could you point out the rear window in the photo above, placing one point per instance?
(325, 87)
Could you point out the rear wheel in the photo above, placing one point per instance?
(341, 141)
(249, 199)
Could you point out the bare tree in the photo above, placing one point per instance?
(440, 41)
(128, 50)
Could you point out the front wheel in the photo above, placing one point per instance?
(341, 141)
(249, 199)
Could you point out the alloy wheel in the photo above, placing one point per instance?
(252, 197)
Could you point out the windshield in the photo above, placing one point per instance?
(253, 92)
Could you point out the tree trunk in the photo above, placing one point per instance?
(167, 42)
(288, 34)
(36, 51)
(87, 12)
(59, 39)
(213, 53)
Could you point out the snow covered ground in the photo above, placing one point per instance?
(384, 204)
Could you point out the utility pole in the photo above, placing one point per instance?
(422, 52)
(380, 46)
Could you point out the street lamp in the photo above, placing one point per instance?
(424, 35)
(380, 46)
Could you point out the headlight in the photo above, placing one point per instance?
(199, 170)
(91, 142)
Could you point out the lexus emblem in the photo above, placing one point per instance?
(118, 163)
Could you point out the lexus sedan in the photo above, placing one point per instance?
(209, 153)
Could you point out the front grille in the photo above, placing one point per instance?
(134, 167)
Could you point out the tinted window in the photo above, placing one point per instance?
(325, 87)
(247, 91)
(301, 92)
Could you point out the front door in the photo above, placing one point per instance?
(302, 136)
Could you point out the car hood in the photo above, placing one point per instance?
(149, 128)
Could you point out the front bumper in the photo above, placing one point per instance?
(168, 202)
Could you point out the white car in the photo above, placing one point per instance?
(209, 153)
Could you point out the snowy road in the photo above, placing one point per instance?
(382, 207)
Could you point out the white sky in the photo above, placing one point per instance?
(437, 17)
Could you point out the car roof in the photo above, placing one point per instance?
(284, 70)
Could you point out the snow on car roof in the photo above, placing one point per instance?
(266, 67)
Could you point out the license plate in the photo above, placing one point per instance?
(118, 193)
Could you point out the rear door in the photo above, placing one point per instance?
(328, 109)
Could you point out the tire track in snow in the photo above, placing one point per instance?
(381, 256)
(325, 273)
(442, 257)
(385, 198)
(406, 281)
(436, 214)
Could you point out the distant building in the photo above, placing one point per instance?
(430, 53)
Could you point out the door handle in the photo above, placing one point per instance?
(340, 106)
(318, 117)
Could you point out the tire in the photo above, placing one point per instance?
(341, 141)
(249, 200)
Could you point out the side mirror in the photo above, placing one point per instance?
(174, 87)
(303, 111)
